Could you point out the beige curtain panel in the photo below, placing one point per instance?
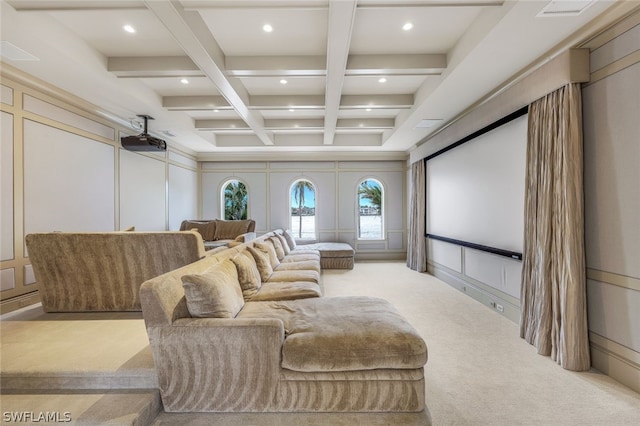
(416, 246)
(554, 313)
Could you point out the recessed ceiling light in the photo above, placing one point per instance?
(291, 110)
(129, 29)
(368, 109)
(267, 28)
(382, 80)
(216, 110)
(407, 26)
(283, 81)
(184, 81)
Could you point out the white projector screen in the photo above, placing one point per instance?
(475, 191)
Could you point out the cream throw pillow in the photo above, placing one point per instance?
(277, 245)
(285, 244)
(267, 247)
(290, 239)
(248, 274)
(263, 263)
(215, 293)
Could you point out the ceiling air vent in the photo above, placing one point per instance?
(563, 8)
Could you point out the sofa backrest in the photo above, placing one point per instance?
(103, 271)
(217, 229)
(162, 297)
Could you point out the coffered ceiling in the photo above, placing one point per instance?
(330, 76)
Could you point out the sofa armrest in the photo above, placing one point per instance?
(211, 364)
(247, 236)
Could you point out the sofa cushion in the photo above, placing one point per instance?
(248, 274)
(277, 245)
(332, 249)
(230, 229)
(291, 241)
(215, 293)
(285, 244)
(262, 262)
(287, 291)
(206, 228)
(343, 334)
(266, 246)
(294, 275)
(302, 265)
(301, 257)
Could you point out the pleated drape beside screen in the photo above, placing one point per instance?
(416, 245)
(553, 298)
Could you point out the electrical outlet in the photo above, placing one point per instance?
(499, 307)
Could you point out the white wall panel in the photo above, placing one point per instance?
(183, 196)
(293, 165)
(325, 199)
(6, 95)
(621, 46)
(396, 240)
(211, 183)
(612, 172)
(68, 181)
(142, 192)
(6, 186)
(174, 156)
(498, 272)
(29, 275)
(62, 115)
(279, 185)
(7, 279)
(615, 315)
(449, 255)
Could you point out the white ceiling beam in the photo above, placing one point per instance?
(377, 101)
(341, 18)
(375, 4)
(220, 124)
(277, 102)
(73, 5)
(194, 37)
(267, 66)
(195, 103)
(153, 66)
(297, 124)
(428, 64)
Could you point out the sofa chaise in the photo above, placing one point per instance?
(221, 343)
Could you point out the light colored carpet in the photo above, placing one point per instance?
(479, 371)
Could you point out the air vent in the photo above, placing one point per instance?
(563, 8)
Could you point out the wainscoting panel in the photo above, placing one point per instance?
(48, 110)
(142, 192)
(7, 279)
(183, 195)
(6, 186)
(76, 197)
(498, 272)
(6, 95)
(449, 255)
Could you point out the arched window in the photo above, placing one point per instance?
(302, 202)
(235, 200)
(370, 210)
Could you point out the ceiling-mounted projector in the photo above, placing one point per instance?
(143, 141)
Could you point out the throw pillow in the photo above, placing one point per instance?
(285, 244)
(230, 229)
(248, 273)
(267, 247)
(290, 239)
(215, 293)
(263, 263)
(277, 245)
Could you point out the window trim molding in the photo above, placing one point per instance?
(383, 236)
(221, 200)
(315, 202)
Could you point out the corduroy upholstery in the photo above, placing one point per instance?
(103, 271)
(289, 353)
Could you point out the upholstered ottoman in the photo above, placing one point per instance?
(332, 255)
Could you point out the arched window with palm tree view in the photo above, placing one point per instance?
(303, 209)
(235, 200)
(370, 210)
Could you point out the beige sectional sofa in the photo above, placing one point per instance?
(222, 341)
(218, 232)
(103, 271)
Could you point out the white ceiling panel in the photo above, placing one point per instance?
(294, 85)
(172, 86)
(239, 31)
(103, 30)
(397, 84)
